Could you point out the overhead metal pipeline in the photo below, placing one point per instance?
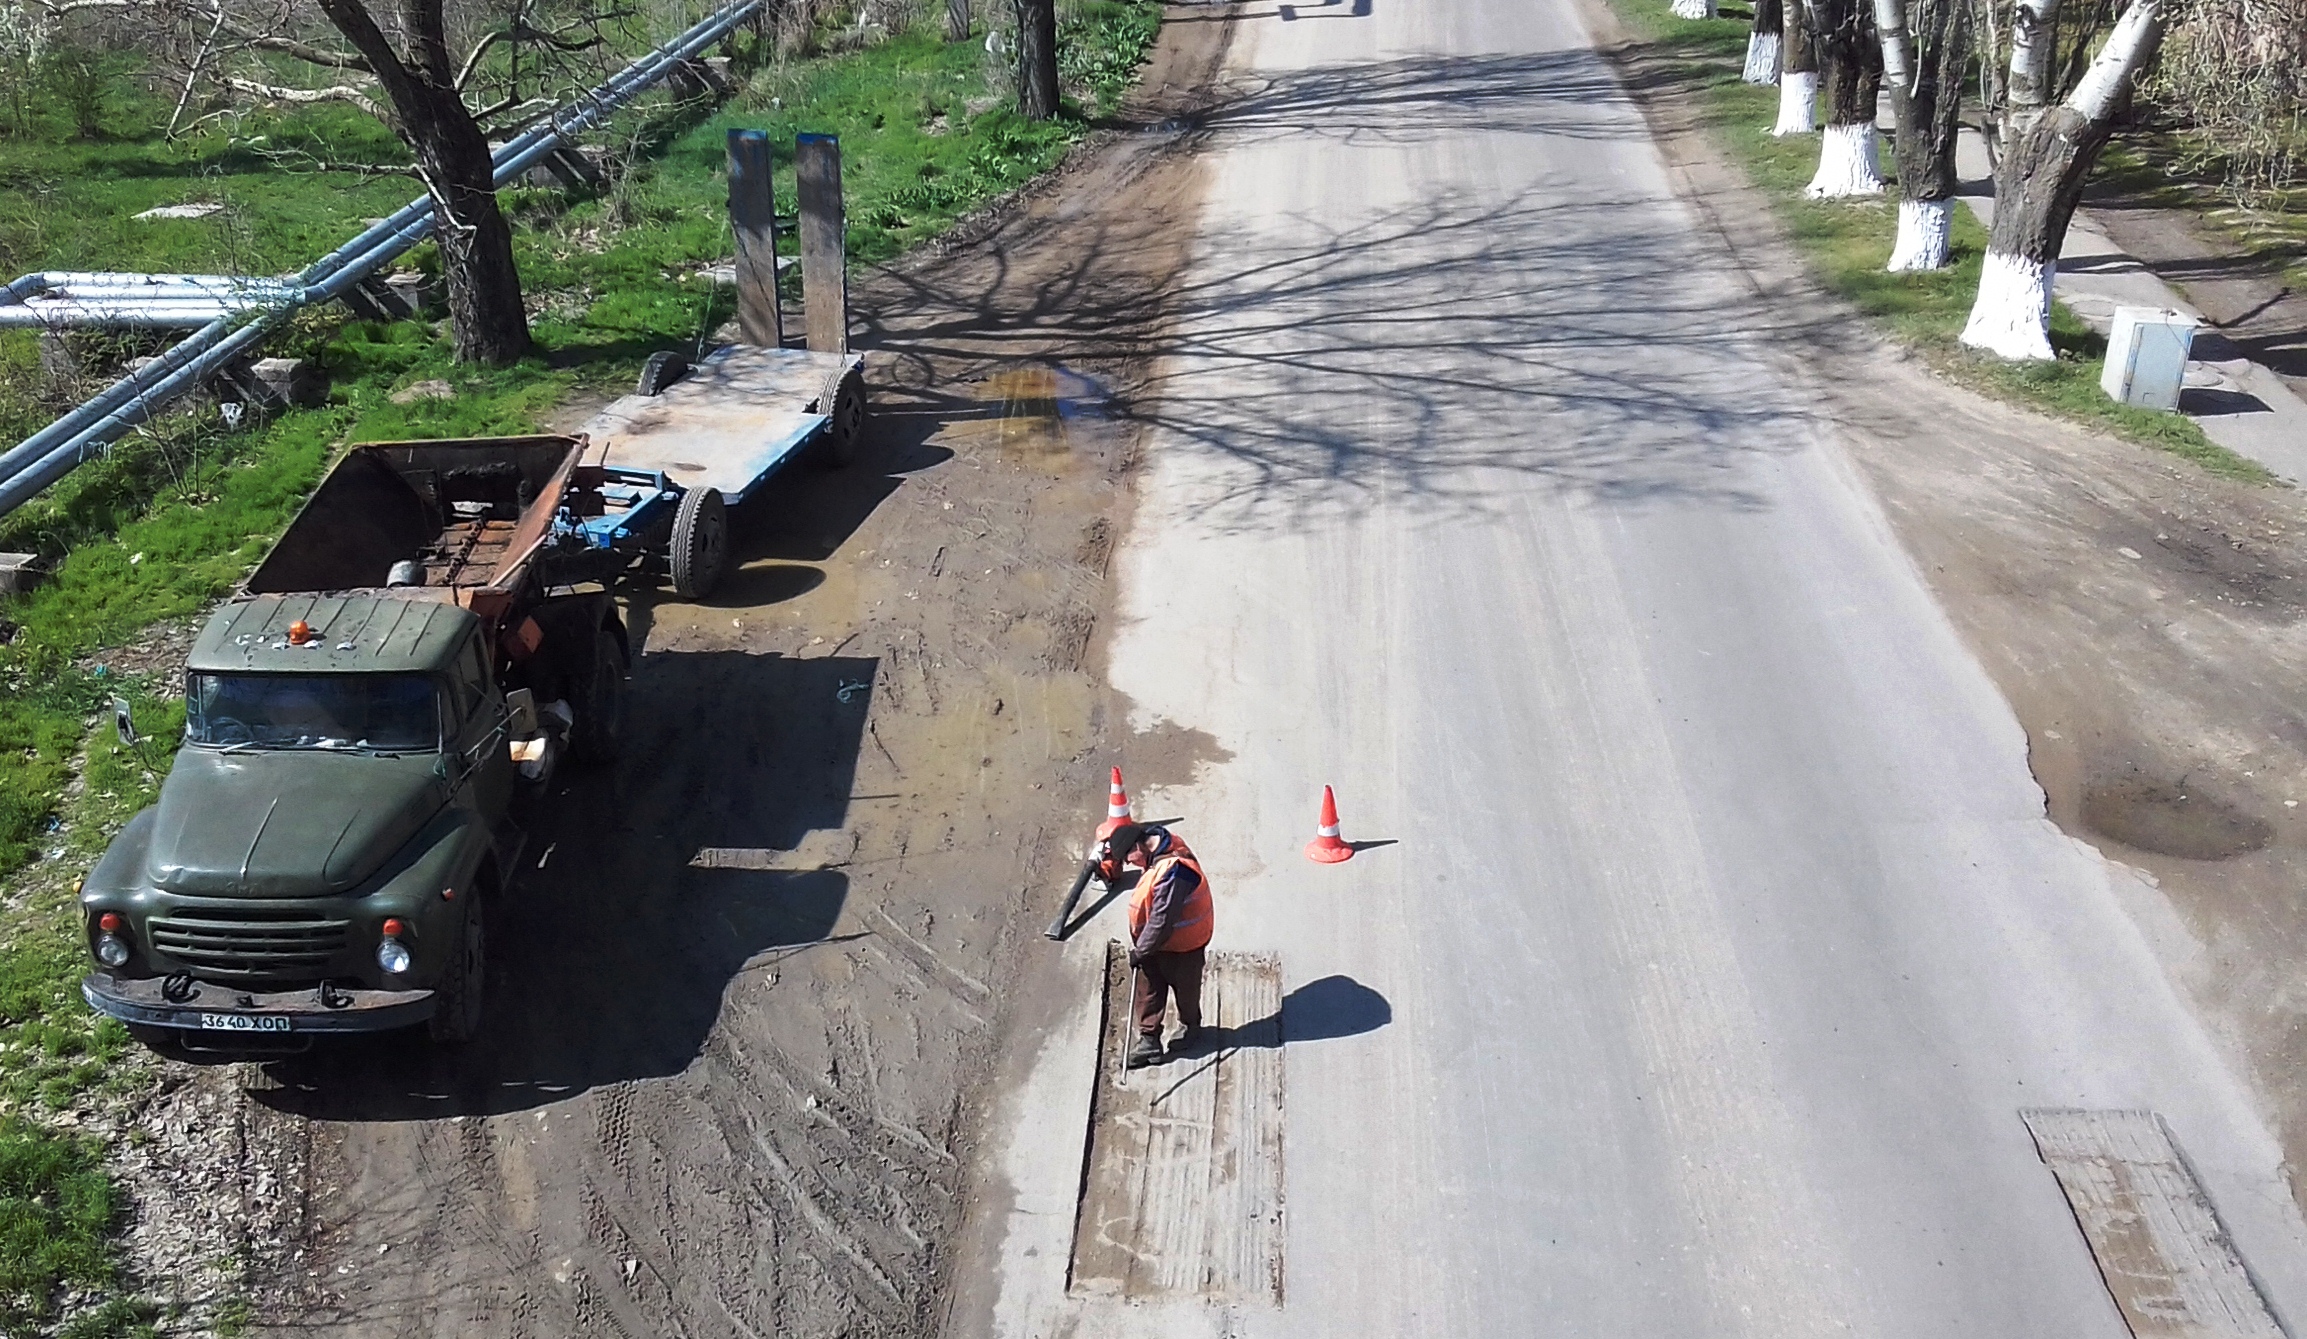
(54, 451)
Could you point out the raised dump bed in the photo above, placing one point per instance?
(447, 515)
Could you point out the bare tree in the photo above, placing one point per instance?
(2232, 76)
(1762, 42)
(956, 20)
(401, 64)
(1924, 52)
(1797, 72)
(1851, 56)
(1037, 58)
(425, 86)
(2047, 155)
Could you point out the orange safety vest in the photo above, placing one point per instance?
(1192, 928)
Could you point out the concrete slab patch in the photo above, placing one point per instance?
(1183, 1192)
(2165, 1256)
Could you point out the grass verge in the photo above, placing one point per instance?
(173, 516)
(1847, 242)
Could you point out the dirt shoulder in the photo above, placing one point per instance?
(745, 1006)
(2144, 619)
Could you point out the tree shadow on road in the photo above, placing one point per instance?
(1551, 329)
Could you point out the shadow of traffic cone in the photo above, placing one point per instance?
(1327, 847)
(1116, 808)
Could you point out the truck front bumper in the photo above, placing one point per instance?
(222, 1011)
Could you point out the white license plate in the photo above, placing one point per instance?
(245, 1022)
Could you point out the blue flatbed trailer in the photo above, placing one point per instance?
(667, 462)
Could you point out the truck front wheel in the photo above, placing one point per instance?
(457, 999)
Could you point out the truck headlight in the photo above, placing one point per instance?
(391, 953)
(111, 946)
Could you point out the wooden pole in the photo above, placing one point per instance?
(753, 218)
(824, 229)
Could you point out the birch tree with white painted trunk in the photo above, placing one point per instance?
(1762, 43)
(1851, 61)
(1797, 72)
(2047, 156)
(1925, 47)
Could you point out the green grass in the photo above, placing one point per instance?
(173, 516)
(56, 1210)
(1847, 243)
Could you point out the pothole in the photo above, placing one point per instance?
(2167, 818)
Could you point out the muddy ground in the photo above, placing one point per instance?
(2145, 620)
(742, 1004)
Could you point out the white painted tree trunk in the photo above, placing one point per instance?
(2012, 317)
(1847, 165)
(2044, 165)
(1924, 227)
(1761, 58)
(1797, 103)
(1693, 9)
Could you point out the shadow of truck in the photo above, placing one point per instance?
(609, 962)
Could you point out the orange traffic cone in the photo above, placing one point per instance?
(1116, 808)
(1327, 847)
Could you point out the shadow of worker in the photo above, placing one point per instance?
(1335, 1006)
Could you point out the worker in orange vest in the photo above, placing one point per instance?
(1169, 924)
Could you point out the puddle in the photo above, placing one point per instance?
(2172, 820)
(1032, 406)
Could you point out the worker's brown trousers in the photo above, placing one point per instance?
(1163, 973)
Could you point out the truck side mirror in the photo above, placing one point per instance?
(521, 713)
(123, 723)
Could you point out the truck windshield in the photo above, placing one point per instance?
(393, 712)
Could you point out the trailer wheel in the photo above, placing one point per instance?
(700, 543)
(662, 370)
(600, 725)
(457, 999)
(848, 421)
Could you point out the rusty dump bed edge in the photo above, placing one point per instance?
(441, 503)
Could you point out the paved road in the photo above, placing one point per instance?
(1724, 938)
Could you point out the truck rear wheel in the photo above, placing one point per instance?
(600, 724)
(457, 999)
(700, 543)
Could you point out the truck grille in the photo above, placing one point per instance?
(222, 945)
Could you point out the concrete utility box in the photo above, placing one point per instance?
(20, 572)
(2147, 356)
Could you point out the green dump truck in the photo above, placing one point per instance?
(371, 724)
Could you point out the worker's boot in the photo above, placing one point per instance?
(1148, 1050)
